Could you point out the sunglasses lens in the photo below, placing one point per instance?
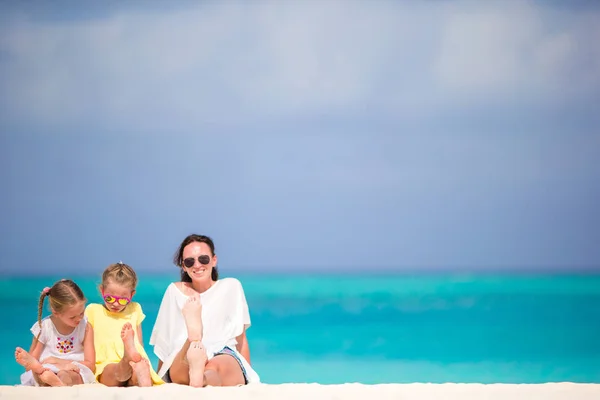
(188, 262)
(204, 259)
(123, 302)
(109, 299)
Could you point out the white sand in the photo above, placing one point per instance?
(350, 391)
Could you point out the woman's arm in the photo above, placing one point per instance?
(141, 339)
(243, 347)
(160, 338)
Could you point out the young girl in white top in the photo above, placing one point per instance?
(200, 332)
(62, 350)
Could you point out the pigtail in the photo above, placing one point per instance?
(45, 292)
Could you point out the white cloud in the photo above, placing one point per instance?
(519, 50)
(275, 60)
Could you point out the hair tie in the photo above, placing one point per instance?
(46, 291)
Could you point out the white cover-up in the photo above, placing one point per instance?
(225, 315)
(66, 347)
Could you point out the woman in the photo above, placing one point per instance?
(200, 331)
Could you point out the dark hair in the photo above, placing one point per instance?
(178, 257)
(61, 295)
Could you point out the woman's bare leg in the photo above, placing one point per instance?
(181, 371)
(196, 356)
(212, 378)
(223, 370)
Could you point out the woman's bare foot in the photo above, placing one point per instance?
(30, 363)
(192, 313)
(141, 370)
(196, 356)
(128, 337)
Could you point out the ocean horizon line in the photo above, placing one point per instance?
(350, 272)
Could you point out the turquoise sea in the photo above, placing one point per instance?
(383, 328)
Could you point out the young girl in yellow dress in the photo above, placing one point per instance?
(120, 356)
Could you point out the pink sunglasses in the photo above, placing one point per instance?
(110, 299)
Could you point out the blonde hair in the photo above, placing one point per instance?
(62, 294)
(121, 274)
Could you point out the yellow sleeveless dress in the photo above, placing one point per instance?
(107, 334)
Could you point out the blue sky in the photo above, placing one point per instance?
(326, 136)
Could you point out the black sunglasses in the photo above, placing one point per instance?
(190, 261)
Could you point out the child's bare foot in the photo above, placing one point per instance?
(128, 337)
(192, 313)
(141, 370)
(30, 363)
(196, 356)
(122, 371)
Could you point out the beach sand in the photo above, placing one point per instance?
(313, 391)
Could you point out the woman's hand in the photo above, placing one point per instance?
(243, 347)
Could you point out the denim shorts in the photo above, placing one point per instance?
(229, 351)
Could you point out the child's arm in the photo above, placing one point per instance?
(36, 348)
(36, 351)
(89, 353)
(139, 334)
(141, 339)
